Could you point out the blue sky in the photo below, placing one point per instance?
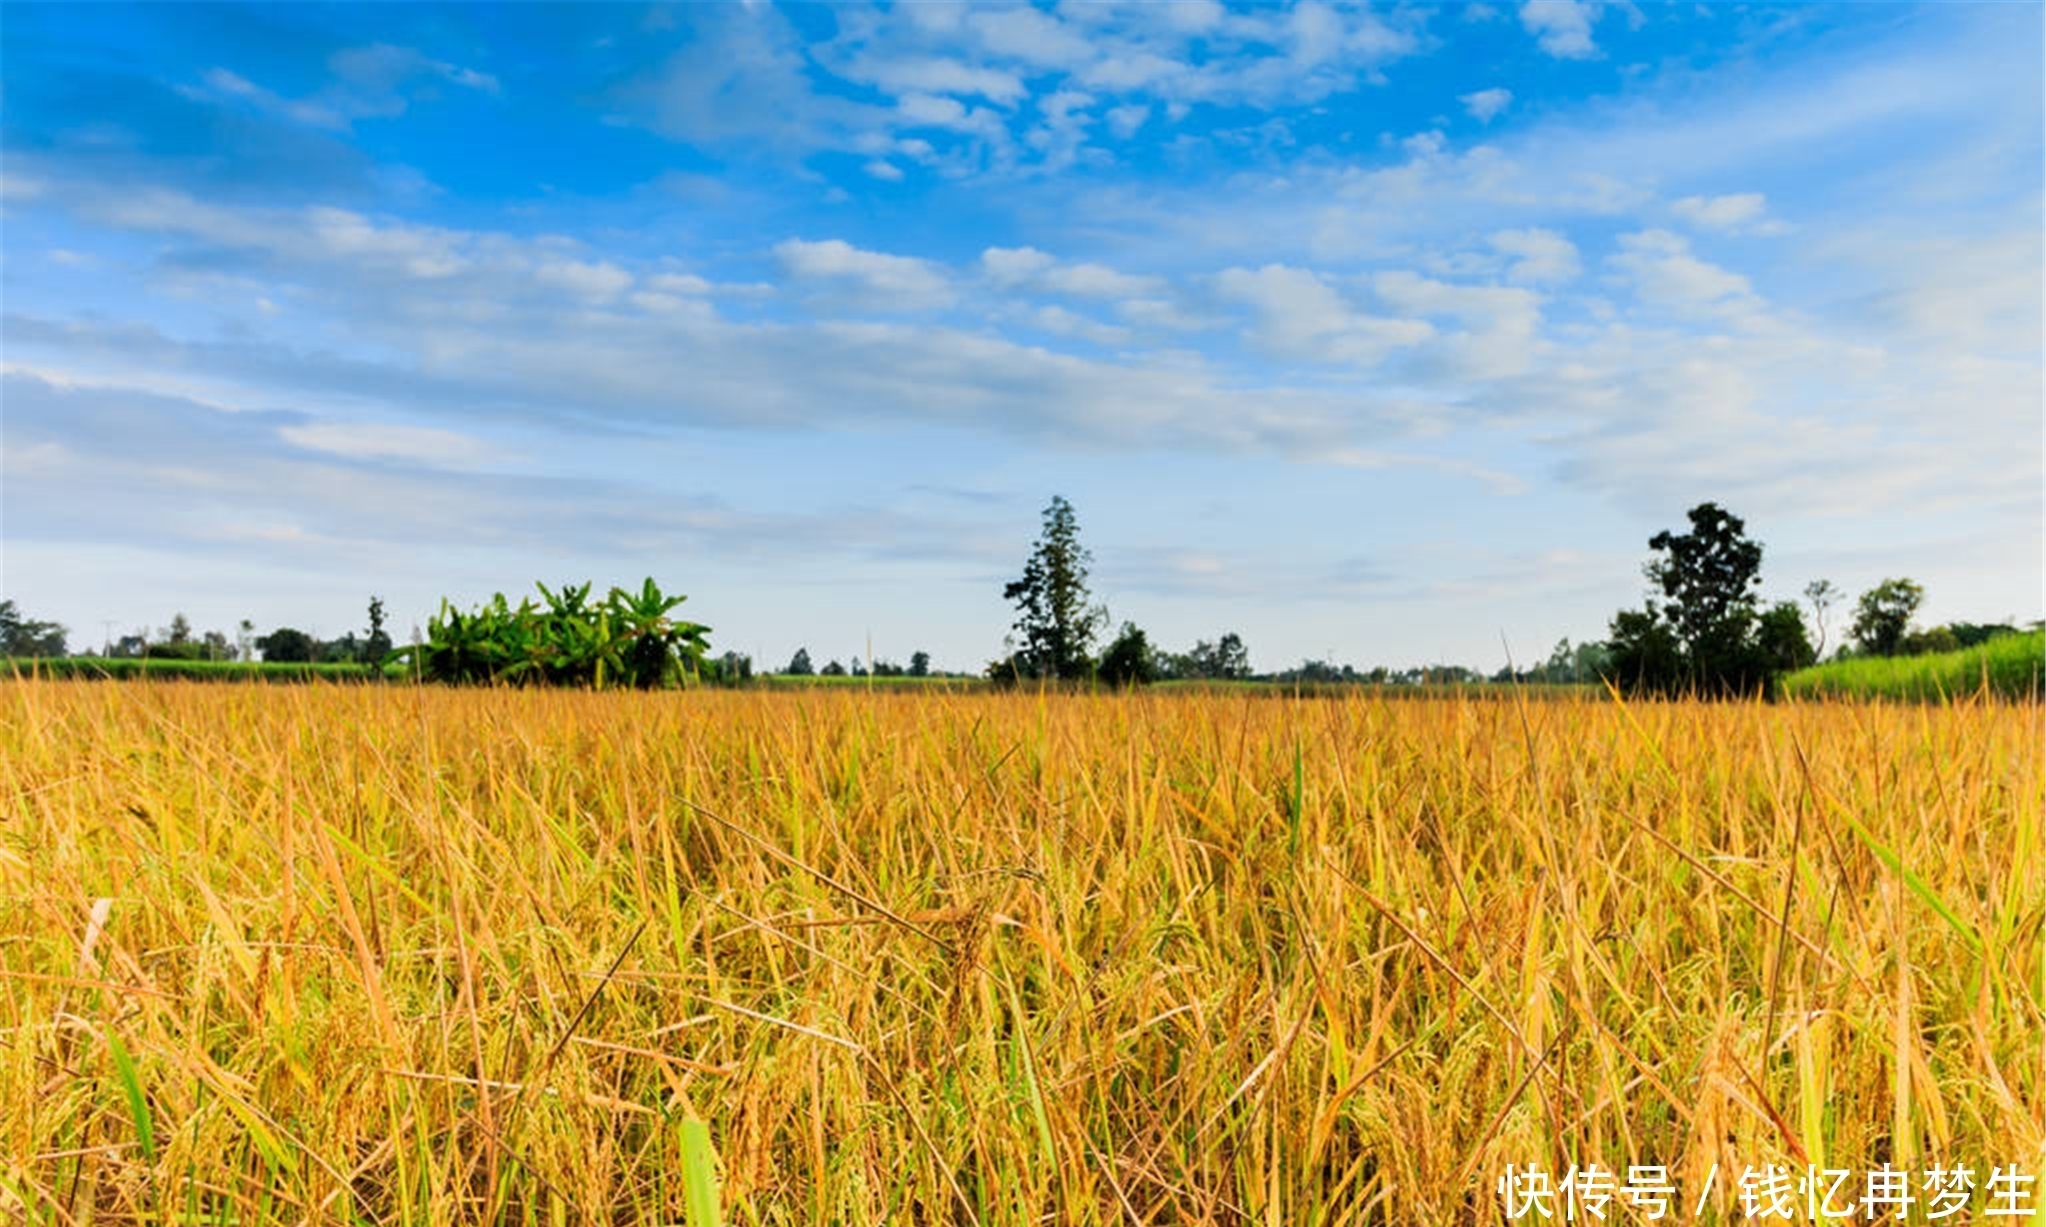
(1385, 334)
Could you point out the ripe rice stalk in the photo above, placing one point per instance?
(415, 954)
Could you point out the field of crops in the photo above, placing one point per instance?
(417, 955)
(2013, 666)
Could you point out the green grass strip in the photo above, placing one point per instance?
(2011, 666)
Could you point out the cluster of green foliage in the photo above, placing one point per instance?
(800, 665)
(1220, 660)
(1882, 624)
(1705, 633)
(289, 644)
(729, 669)
(2011, 666)
(1882, 618)
(1056, 625)
(1129, 659)
(21, 635)
(1579, 665)
(895, 682)
(627, 639)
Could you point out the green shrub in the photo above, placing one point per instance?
(629, 639)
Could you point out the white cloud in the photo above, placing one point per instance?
(1563, 27)
(889, 280)
(423, 252)
(1898, 339)
(1539, 256)
(1056, 319)
(1188, 16)
(1500, 329)
(1968, 301)
(1063, 132)
(1302, 316)
(370, 83)
(1672, 373)
(232, 84)
(679, 283)
(384, 68)
(1664, 273)
(367, 440)
(1030, 35)
(1131, 71)
(746, 81)
(1162, 315)
(935, 74)
(598, 282)
(938, 111)
(1730, 212)
(1098, 281)
(318, 233)
(219, 84)
(1029, 268)
(1124, 121)
(742, 81)
(1486, 104)
(655, 303)
(1014, 265)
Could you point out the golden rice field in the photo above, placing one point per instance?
(400, 955)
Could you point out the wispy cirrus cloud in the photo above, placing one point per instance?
(378, 81)
(998, 89)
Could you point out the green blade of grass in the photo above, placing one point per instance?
(1038, 1116)
(1919, 886)
(131, 1088)
(700, 1175)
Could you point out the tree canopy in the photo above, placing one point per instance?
(23, 636)
(287, 643)
(1055, 625)
(1129, 660)
(1705, 633)
(1883, 616)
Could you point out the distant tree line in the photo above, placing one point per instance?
(800, 665)
(25, 637)
(1058, 623)
(1704, 629)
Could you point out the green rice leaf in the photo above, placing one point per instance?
(131, 1088)
(700, 1175)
